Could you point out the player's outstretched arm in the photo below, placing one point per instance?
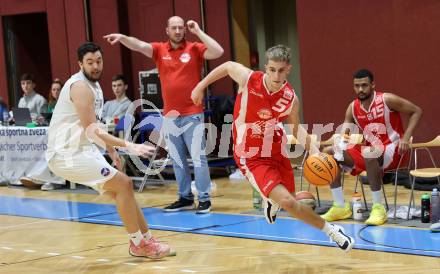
(236, 71)
(130, 42)
(83, 100)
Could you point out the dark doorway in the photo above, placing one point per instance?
(27, 50)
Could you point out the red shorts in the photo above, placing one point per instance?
(390, 155)
(266, 173)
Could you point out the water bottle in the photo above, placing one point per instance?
(256, 199)
(357, 207)
(425, 208)
(435, 206)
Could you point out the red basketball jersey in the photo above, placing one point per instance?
(258, 130)
(379, 124)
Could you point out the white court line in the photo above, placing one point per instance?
(49, 220)
(77, 257)
(29, 250)
(159, 267)
(177, 227)
(25, 224)
(7, 248)
(53, 253)
(99, 221)
(130, 264)
(188, 271)
(103, 260)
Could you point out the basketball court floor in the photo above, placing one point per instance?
(65, 232)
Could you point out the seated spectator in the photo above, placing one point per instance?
(117, 107)
(31, 99)
(37, 104)
(54, 92)
(4, 112)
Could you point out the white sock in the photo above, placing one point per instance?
(377, 196)
(338, 196)
(136, 237)
(327, 228)
(147, 235)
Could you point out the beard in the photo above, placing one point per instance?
(92, 78)
(178, 40)
(363, 96)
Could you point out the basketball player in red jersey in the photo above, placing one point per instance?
(377, 115)
(264, 101)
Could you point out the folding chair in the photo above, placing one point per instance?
(122, 129)
(396, 172)
(151, 121)
(364, 173)
(429, 172)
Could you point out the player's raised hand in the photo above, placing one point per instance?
(197, 95)
(113, 38)
(193, 27)
(140, 149)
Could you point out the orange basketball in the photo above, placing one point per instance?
(320, 169)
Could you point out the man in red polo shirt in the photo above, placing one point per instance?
(180, 64)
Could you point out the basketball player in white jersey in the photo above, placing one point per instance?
(377, 115)
(72, 153)
(264, 100)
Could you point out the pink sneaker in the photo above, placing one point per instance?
(149, 249)
(154, 240)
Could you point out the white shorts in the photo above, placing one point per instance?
(87, 168)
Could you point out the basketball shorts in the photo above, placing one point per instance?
(266, 173)
(390, 156)
(87, 168)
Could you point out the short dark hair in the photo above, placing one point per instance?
(27, 77)
(362, 73)
(119, 77)
(86, 48)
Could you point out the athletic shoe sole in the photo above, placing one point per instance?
(179, 209)
(204, 211)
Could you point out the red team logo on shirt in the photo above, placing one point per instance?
(264, 114)
(288, 94)
(185, 57)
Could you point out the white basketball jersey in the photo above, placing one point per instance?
(66, 134)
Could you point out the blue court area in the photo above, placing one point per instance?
(382, 238)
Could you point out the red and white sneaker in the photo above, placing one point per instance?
(154, 240)
(149, 249)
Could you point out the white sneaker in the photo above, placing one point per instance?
(237, 175)
(15, 183)
(435, 227)
(270, 210)
(337, 235)
(48, 186)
